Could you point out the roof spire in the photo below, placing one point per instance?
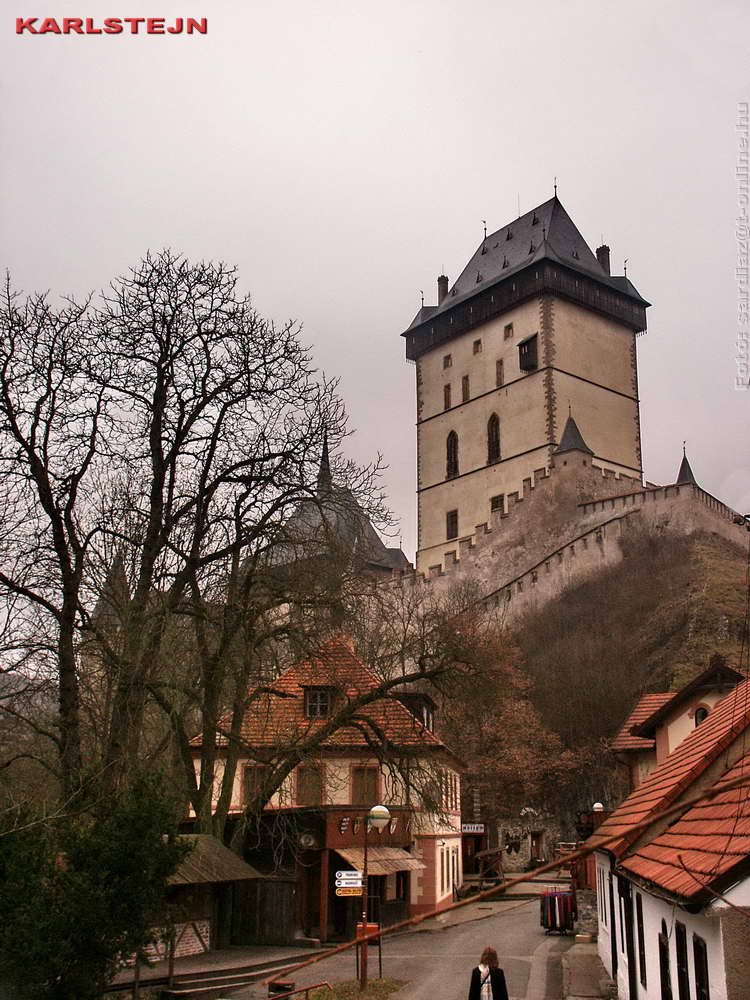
(685, 474)
(484, 223)
(555, 186)
(572, 439)
(324, 473)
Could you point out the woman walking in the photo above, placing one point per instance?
(488, 979)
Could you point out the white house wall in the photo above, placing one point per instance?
(706, 924)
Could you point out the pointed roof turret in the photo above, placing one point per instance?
(685, 475)
(572, 439)
(324, 473)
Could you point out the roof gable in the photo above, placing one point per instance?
(667, 782)
(712, 678)
(644, 707)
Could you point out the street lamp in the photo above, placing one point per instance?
(378, 817)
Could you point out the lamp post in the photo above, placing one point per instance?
(378, 817)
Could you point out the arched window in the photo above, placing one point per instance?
(701, 714)
(451, 456)
(493, 439)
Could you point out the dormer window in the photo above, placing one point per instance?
(318, 702)
(701, 714)
(528, 354)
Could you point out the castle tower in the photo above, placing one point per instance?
(534, 325)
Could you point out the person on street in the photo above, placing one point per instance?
(488, 979)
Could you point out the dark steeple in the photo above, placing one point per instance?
(572, 439)
(685, 475)
(324, 473)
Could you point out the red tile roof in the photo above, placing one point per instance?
(674, 775)
(713, 678)
(711, 838)
(646, 705)
(277, 718)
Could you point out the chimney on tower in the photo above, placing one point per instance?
(602, 255)
(442, 287)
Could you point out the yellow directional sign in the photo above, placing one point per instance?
(349, 892)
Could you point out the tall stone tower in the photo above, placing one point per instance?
(535, 328)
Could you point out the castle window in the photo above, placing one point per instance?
(446, 397)
(451, 524)
(451, 456)
(508, 331)
(528, 359)
(493, 439)
(499, 372)
(465, 391)
(477, 346)
(447, 360)
(498, 502)
(317, 702)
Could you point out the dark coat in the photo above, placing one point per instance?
(497, 978)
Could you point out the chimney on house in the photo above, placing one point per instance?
(442, 287)
(602, 255)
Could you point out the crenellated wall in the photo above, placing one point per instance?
(566, 525)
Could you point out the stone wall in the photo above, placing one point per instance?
(566, 525)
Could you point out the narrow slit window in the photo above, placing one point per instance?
(493, 439)
(465, 389)
(451, 456)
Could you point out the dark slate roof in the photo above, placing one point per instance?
(685, 475)
(210, 861)
(545, 233)
(335, 523)
(424, 313)
(572, 439)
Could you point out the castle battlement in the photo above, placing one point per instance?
(565, 525)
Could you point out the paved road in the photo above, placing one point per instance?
(437, 964)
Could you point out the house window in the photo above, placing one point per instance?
(528, 351)
(465, 392)
(493, 439)
(364, 786)
(309, 785)
(641, 939)
(253, 776)
(451, 456)
(508, 331)
(317, 703)
(446, 397)
(700, 958)
(498, 502)
(451, 524)
(447, 360)
(665, 974)
(499, 372)
(683, 979)
(477, 346)
(701, 714)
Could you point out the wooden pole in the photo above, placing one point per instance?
(137, 978)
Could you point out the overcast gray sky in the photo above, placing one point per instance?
(342, 154)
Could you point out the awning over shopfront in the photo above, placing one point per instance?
(381, 860)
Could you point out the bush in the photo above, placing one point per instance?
(79, 894)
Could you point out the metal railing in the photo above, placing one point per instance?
(302, 990)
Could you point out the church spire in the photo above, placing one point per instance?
(324, 473)
(685, 475)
